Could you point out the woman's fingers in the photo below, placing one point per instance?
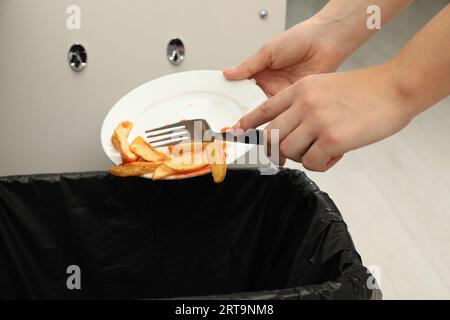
(317, 158)
(297, 142)
(249, 67)
(272, 82)
(287, 121)
(267, 111)
(334, 160)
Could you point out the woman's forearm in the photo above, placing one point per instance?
(346, 20)
(421, 70)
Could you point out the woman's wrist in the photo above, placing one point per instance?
(345, 21)
(336, 33)
(404, 89)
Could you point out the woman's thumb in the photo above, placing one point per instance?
(248, 68)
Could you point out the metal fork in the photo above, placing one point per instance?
(198, 130)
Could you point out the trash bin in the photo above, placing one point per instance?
(252, 237)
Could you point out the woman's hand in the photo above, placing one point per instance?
(306, 48)
(323, 116)
(317, 45)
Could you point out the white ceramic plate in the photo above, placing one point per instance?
(187, 95)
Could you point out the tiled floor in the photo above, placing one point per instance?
(395, 195)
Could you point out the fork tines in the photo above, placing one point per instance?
(168, 135)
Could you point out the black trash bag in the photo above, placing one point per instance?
(252, 237)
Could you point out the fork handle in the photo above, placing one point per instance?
(251, 136)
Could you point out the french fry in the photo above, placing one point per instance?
(115, 141)
(217, 161)
(187, 162)
(162, 172)
(184, 160)
(120, 141)
(131, 169)
(141, 148)
(143, 164)
(179, 149)
(185, 175)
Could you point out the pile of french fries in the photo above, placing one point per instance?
(181, 161)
